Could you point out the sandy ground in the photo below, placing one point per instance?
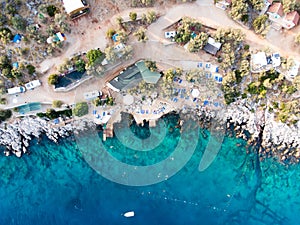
(87, 34)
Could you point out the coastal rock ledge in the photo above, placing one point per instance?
(17, 135)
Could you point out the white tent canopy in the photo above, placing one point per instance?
(72, 5)
(195, 93)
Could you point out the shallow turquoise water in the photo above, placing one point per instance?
(55, 185)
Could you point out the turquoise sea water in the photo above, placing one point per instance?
(55, 185)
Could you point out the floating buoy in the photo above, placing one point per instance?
(129, 214)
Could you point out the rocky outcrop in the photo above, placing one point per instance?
(17, 135)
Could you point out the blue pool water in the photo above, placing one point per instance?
(56, 185)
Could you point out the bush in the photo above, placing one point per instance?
(52, 79)
(81, 109)
(110, 32)
(57, 103)
(51, 10)
(5, 114)
(93, 56)
(18, 23)
(80, 65)
(132, 16)
(31, 69)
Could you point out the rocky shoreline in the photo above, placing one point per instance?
(277, 139)
(17, 135)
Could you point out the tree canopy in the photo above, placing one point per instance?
(81, 109)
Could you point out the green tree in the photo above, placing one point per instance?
(110, 32)
(132, 16)
(51, 10)
(52, 79)
(110, 54)
(288, 5)
(239, 9)
(80, 109)
(30, 69)
(198, 42)
(151, 65)
(18, 23)
(141, 34)
(151, 16)
(16, 73)
(80, 65)
(5, 35)
(57, 103)
(5, 114)
(297, 39)
(257, 4)
(259, 24)
(94, 56)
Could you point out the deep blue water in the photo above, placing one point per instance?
(56, 185)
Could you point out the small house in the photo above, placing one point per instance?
(291, 20)
(259, 60)
(212, 47)
(91, 95)
(76, 8)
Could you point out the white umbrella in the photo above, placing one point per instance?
(195, 93)
(128, 99)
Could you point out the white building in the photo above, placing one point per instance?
(32, 84)
(258, 60)
(76, 8)
(92, 95)
(16, 90)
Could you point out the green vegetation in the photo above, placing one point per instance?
(151, 65)
(297, 39)
(52, 114)
(141, 3)
(51, 10)
(3, 101)
(94, 56)
(149, 17)
(52, 79)
(259, 24)
(110, 54)
(239, 10)
(141, 34)
(80, 109)
(57, 103)
(288, 5)
(30, 69)
(110, 32)
(198, 42)
(80, 65)
(186, 28)
(18, 23)
(5, 35)
(132, 16)
(5, 114)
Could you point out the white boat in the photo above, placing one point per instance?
(129, 214)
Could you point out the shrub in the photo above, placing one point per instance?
(31, 69)
(57, 103)
(18, 23)
(132, 16)
(93, 56)
(51, 10)
(5, 114)
(81, 109)
(80, 65)
(52, 79)
(110, 32)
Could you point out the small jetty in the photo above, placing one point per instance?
(108, 131)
